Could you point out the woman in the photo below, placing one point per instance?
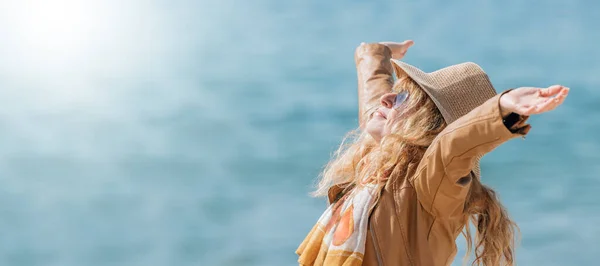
(408, 183)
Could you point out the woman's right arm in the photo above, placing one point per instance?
(374, 71)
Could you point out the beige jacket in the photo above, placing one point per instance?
(418, 218)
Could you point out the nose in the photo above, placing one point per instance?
(387, 100)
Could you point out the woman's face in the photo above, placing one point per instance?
(381, 121)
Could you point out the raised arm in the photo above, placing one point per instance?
(442, 178)
(374, 71)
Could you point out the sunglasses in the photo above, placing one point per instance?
(401, 97)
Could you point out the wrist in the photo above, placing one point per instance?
(505, 109)
(373, 48)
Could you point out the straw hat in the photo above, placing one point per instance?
(455, 90)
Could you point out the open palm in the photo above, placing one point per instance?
(531, 100)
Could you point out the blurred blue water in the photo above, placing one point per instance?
(190, 132)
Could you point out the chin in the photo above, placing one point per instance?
(375, 126)
(374, 132)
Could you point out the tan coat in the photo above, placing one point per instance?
(418, 218)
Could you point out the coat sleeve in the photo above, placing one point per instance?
(374, 71)
(442, 179)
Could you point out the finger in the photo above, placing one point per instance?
(562, 96)
(551, 104)
(565, 91)
(544, 104)
(407, 43)
(552, 90)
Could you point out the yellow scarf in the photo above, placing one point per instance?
(338, 238)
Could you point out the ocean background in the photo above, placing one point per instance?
(180, 132)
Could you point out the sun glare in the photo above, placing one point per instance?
(56, 24)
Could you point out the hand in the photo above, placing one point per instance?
(398, 48)
(529, 100)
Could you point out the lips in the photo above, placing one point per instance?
(381, 114)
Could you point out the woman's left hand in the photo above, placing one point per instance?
(529, 100)
(399, 49)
